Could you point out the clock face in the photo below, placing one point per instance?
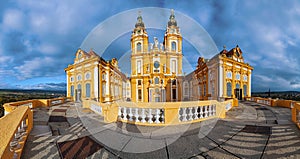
(156, 64)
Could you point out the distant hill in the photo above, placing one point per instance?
(32, 91)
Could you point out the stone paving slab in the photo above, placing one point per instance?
(219, 153)
(188, 146)
(38, 150)
(111, 139)
(284, 142)
(41, 130)
(246, 145)
(103, 154)
(144, 148)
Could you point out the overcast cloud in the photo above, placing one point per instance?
(38, 39)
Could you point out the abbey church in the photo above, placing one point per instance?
(156, 72)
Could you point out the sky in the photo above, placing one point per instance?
(39, 38)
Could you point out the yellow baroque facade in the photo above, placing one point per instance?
(223, 76)
(156, 72)
(91, 77)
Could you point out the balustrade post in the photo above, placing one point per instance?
(201, 112)
(184, 115)
(157, 116)
(196, 112)
(130, 114)
(125, 114)
(136, 115)
(205, 111)
(150, 116)
(143, 116)
(190, 113)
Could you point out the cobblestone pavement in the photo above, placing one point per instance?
(249, 131)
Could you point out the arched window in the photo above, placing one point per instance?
(88, 90)
(173, 46)
(79, 87)
(156, 80)
(72, 91)
(229, 89)
(103, 76)
(139, 47)
(245, 90)
(79, 78)
(87, 76)
(237, 86)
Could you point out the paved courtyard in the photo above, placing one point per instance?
(249, 131)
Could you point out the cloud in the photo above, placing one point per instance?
(39, 38)
(46, 86)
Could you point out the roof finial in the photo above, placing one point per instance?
(224, 47)
(172, 11)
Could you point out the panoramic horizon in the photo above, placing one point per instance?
(38, 43)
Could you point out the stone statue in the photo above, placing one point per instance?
(161, 46)
(151, 46)
(155, 42)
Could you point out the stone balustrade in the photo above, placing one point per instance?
(197, 112)
(141, 115)
(160, 113)
(17, 124)
(9, 107)
(293, 105)
(15, 128)
(296, 114)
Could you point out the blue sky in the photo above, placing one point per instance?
(38, 38)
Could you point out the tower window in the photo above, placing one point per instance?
(139, 47)
(156, 80)
(173, 46)
(139, 82)
(173, 66)
(139, 67)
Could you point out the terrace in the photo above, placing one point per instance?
(60, 128)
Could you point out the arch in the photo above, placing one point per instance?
(237, 86)
(173, 46)
(229, 89)
(79, 86)
(87, 90)
(79, 77)
(87, 76)
(139, 47)
(156, 80)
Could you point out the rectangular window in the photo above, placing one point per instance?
(103, 89)
(173, 93)
(72, 91)
(173, 66)
(139, 94)
(139, 82)
(88, 90)
(204, 90)
(139, 67)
